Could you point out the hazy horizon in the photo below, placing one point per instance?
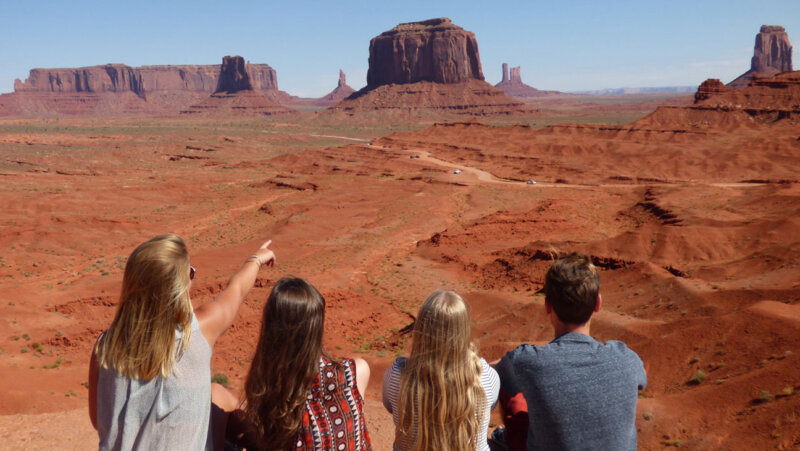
(580, 46)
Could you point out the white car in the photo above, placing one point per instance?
(457, 171)
(531, 182)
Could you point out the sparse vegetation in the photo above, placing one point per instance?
(764, 397)
(220, 378)
(698, 377)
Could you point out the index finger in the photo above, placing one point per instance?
(266, 245)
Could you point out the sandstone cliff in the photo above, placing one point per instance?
(426, 69)
(514, 87)
(115, 88)
(233, 76)
(432, 50)
(235, 95)
(772, 54)
(765, 101)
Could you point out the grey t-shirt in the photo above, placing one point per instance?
(581, 394)
(163, 413)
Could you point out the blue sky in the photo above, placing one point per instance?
(564, 45)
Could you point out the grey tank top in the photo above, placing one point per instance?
(163, 413)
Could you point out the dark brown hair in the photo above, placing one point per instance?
(571, 288)
(286, 361)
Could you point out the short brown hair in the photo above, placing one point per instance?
(571, 287)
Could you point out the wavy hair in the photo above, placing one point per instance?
(154, 302)
(286, 361)
(441, 398)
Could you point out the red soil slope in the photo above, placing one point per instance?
(692, 217)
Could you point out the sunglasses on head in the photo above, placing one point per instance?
(192, 272)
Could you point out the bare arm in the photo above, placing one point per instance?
(93, 373)
(218, 315)
(362, 376)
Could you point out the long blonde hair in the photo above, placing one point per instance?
(154, 302)
(441, 400)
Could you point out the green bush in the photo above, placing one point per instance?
(220, 378)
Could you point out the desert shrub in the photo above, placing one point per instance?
(220, 378)
(764, 397)
(698, 377)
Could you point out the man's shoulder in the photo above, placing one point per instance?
(620, 349)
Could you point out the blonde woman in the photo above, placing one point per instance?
(440, 396)
(149, 378)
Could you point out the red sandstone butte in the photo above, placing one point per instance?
(430, 67)
(772, 55)
(235, 95)
(514, 87)
(431, 50)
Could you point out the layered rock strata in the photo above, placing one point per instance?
(235, 95)
(772, 54)
(431, 50)
(765, 101)
(429, 67)
(121, 89)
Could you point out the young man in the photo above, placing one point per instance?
(580, 393)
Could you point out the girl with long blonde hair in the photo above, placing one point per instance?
(441, 395)
(149, 377)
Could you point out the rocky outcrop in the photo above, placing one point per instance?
(95, 79)
(115, 88)
(765, 101)
(423, 70)
(342, 91)
(772, 55)
(233, 75)
(709, 88)
(513, 86)
(235, 95)
(432, 50)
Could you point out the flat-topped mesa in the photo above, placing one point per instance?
(92, 79)
(772, 54)
(140, 80)
(516, 75)
(233, 76)
(433, 50)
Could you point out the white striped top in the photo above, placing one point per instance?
(391, 388)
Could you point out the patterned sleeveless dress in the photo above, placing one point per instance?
(334, 419)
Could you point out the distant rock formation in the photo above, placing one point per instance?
(514, 87)
(233, 75)
(772, 55)
(708, 89)
(342, 91)
(431, 50)
(235, 95)
(119, 89)
(765, 101)
(426, 68)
